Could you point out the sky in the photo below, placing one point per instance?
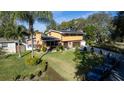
(60, 16)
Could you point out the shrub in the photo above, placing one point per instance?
(2, 53)
(60, 48)
(17, 77)
(33, 61)
(57, 48)
(39, 73)
(44, 49)
(31, 76)
(85, 61)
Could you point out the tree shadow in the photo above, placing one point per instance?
(44, 54)
(46, 67)
(26, 54)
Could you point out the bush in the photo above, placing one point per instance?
(85, 61)
(17, 77)
(31, 76)
(39, 73)
(44, 49)
(33, 61)
(60, 48)
(57, 48)
(2, 53)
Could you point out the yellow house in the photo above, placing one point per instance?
(68, 39)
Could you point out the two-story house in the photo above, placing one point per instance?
(68, 39)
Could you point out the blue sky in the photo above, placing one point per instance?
(60, 16)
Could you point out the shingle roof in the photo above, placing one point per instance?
(68, 32)
(5, 40)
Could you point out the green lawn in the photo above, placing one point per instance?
(11, 66)
(62, 63)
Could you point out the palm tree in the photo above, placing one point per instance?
(31, 17)
(15, 32)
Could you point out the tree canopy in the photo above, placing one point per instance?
(118, 23)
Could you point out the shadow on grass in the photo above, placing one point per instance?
(26, 54)
(44, 54)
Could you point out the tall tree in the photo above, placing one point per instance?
(31, 17)
(90, 35)
(52, 25)
(17, 33)
(118, 23)
(102, 21)
(4, 20)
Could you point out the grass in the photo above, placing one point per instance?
(11, 66)
(62, 63)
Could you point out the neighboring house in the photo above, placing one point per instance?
(68, 39)
(10, 46)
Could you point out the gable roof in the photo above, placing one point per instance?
(68, 32)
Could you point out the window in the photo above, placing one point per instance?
(4, 45)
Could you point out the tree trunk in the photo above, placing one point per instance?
(32, 44)
(32, 41)
(19, 49)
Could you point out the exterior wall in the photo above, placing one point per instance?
(0, 45)
(77, 44)
(67, 40)
(38, 38)
(72, 38)
(29, 42)
(22, 48)
(70, 44)
(10, 48)
(83, 43)
(55, 34)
